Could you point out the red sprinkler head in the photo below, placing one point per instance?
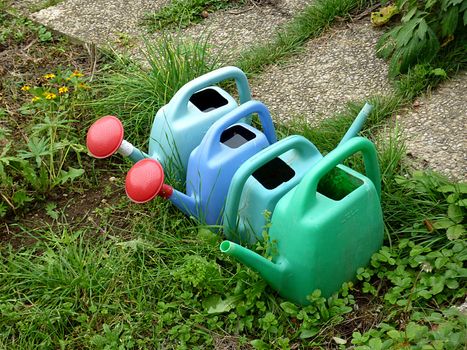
(104, 136)
(145, 180)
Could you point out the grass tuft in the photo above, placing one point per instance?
(134, 93)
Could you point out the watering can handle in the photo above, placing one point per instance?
(237, 184)
(213, 136)
(186, 91)
(305, 191)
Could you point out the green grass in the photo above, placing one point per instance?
(135, 93)
(144, 276)
(44, 4)
(314, 20)
(182, 13)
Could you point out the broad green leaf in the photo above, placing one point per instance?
(439, 72)
(452, 198)
(259, 344)
(71, 174)
(452, 284)
(394, 334)
(406, 33)
(443, 223)
(446, 188)
(455, 213)
(462, 203)
(308, 333)
(449, 22)
(422, 29)
(289, 308)
(455, 232)
(409, 14)
(375, 344)
(217, 305)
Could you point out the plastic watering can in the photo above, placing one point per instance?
(226, 145)
(178, 126)
(261, 181)
(324, 229)
(266, 177)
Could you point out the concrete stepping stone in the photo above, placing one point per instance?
(338, 67)
(435, 130)
(104, 22)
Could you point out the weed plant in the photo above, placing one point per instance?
(52, 146)
(426, 28)
(182, 13)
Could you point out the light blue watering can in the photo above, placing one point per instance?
(178, 126)
(226, 145)
(261, 181)
(266, 177)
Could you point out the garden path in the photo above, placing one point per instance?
(339, 66)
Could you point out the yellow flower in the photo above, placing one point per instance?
(49, 76)
(83, 86)
(62, 90)
(26, 88)
(35, 99)
(50, 95)
(76, 74)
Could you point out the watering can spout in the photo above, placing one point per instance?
(272, 272)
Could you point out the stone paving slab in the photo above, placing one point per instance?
(336, 68)
(102, 22)
(436, 131)
(98, 21)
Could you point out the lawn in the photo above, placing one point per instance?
(83, 267)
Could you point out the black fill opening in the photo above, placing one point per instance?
(207, 100)
(274, 173)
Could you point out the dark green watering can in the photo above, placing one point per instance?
(323, 229)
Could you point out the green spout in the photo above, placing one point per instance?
(273, 273)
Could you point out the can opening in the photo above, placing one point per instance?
(274, 173)
(207, 100)
(337, 184)
(236, 135)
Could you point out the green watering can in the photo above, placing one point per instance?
(324, 229)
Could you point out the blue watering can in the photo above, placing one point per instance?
(226, 145)
(178, 126)
(266, 177)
